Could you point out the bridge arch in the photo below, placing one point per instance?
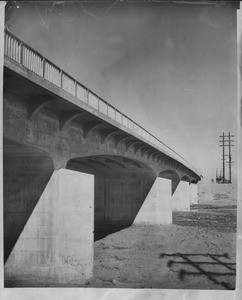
(121, 185)
(173, 176)
(186, 178)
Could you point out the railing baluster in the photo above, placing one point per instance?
(75, 91)
(61, 79)
(20, 53)
(87, 96)
(31, 61)
(28, 60)
(50, 72)
(25, 57)
(16, 50)
(13, 49)
(38, 65)
(9, 47)
(34, 63)
(5, 44)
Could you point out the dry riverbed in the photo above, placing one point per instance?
(198, 251)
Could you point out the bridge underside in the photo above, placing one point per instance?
(121, 186)
(69, 172)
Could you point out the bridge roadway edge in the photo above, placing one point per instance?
(61, 95)
(46, 147)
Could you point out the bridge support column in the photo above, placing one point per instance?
(156, 209)
(193, 194)
(55, 247)
(181, 197)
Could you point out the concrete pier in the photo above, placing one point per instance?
(193, 194)
(56, 244)
(57, 137)
(156, 209)
(181, 197)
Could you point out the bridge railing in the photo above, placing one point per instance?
(35, 62)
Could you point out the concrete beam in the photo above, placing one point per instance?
(38, 103)
(131, 143)
(139, 147)
(145, 149)
(156, 156)
(156, 209)
(114, 161)
(97, 162)
(132, 162)
(160, 157)
(107, 133)
(56, 245)
(67, 116)
(120, 138)
(151, 153)
(90, 126)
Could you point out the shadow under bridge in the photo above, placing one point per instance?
(121, 186)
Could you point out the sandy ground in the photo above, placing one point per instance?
(196, 252)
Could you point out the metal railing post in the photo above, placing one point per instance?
(43, 67)
(61, 78)
(21, 54)
(75, 92)
(87, 96)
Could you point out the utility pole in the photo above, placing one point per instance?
(230, 159)
(229, 141)
(223, 156)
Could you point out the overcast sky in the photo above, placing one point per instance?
(170, 67)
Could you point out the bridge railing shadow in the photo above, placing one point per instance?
(201, 266)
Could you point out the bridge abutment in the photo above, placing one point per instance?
(156, 209)
(55, 247)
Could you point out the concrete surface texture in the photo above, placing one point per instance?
(197, 251)
(181, 197)
(56, 244)
(40, 114)
(193, 194)
(156, 209)
(211, 191)
(51, 208)
(119, 191)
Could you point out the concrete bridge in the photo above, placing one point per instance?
(75, 169)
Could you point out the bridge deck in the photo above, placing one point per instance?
(27, 62)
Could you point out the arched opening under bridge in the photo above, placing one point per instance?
(121, 185)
